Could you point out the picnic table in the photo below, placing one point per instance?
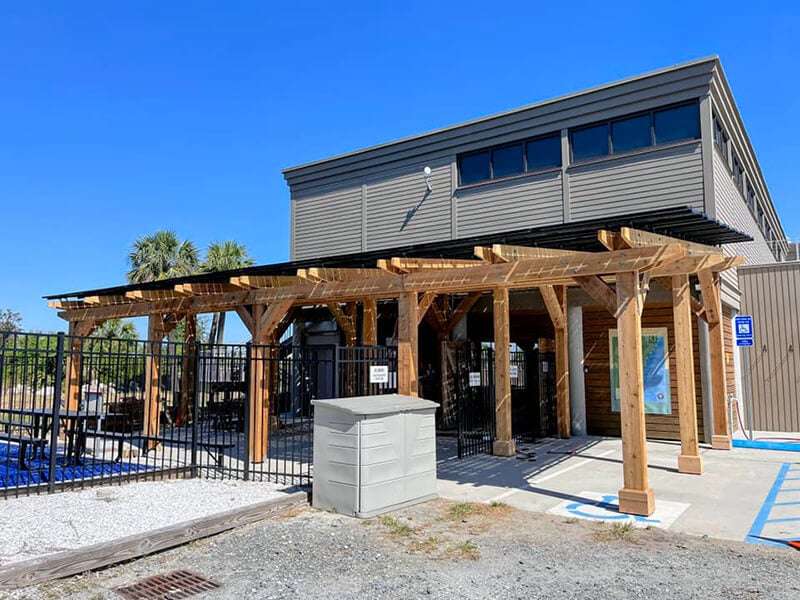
(75, 427)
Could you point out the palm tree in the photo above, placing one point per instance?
(162, 255)
(224, 256)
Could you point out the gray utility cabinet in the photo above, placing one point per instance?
(373, 454)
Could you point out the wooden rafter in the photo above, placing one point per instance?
(636, 238)
(106, 300)
(201, 289)
(250, 282)
(411, 265)
(332, 274)
(68, 304)
(505, 253)
(155, 294)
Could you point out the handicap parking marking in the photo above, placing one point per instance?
(779, 517)
(595, 506)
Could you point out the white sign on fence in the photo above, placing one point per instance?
(513, 371)
(378, 374)
(475, 379)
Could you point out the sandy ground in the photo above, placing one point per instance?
(39, 525)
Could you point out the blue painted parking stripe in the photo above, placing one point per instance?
(762, 445)
(782, 520)
(763, 514)
(796, 503)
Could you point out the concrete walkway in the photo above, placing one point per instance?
(743, 492)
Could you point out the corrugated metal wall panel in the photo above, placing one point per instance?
(733, 211)
(528, 202)
(670, 177)
(401, 211)
(771, 295)
(327, 222)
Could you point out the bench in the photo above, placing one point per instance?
(24, 441)
(213, 449)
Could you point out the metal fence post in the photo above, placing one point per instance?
(336, 371)
(57, 388)
(247, 400)
(195, 407)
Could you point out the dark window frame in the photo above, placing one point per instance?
(653, 141)
(491, 150)
(723, 146)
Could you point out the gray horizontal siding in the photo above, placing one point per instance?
(401, 211)
(732, 210)
(668, 177)
(326, 223)
(503, 206)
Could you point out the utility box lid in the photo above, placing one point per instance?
(376, 405)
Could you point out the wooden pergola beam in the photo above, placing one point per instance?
(689, 460)
(411, 265)
(506, 253)
(600, 292)
(340, 274)
(424, 304)
(555, 299)
(345, 320)
(526, 273)
(68, 304)
(106, 300)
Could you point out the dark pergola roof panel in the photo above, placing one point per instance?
(682, 222)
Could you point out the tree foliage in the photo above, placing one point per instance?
(224, 256)
(162, 255)
(10, 320)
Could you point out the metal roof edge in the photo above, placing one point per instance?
(420, 136)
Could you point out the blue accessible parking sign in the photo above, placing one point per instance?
(743, 330)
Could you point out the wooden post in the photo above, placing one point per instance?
(77, 331)
(188, 375)
(555, 299)
(504, 442)
(152, 385)
(369, 335)
(259, 378)
(689, 460)
(709, 285)
(635, 497)
(407, 344)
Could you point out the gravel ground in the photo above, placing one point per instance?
(446, 550)
(39, 525)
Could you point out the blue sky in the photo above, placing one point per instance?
(119, 119)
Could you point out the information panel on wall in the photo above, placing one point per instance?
(655, 362)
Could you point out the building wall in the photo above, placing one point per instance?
(771, 294)
(376, 198)
(600, 419)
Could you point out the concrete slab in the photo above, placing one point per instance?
(724, 502)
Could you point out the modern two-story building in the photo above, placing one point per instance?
(666, 152)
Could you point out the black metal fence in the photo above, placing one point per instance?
(85, 411)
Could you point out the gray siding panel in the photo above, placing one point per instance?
(531, 201)
(733, 211)
(771, 295)
(668, 177)
(327, 223)
(401, 211)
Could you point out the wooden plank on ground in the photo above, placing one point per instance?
(72, 562)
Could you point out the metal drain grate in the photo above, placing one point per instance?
(168, 586)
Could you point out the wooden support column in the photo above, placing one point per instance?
(369, 333)
(555, 298)
(152, 384)
(635, 497)
(408, 344)
(689, 460)
(77, 331)
(259, 378)
(188, 375)
(504, 442)
(709, 285)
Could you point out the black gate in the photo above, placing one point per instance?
(475, 399)
(524, 377)
(547, 410)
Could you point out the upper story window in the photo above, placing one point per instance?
(738, 173)
(721, 138)
(751, 198)
(663, 126)
(510, 159)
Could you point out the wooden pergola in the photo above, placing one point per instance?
(617, 279)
